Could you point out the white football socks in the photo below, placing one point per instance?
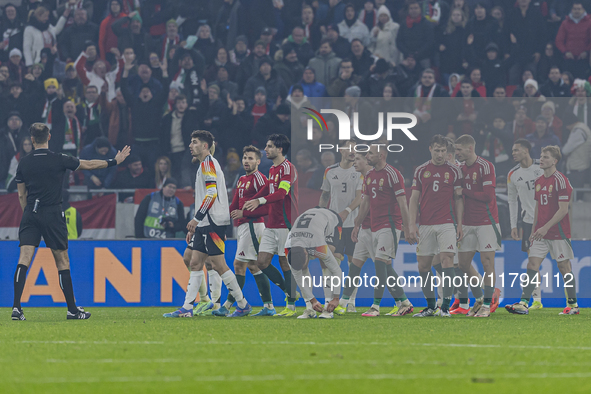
(195, 279)
(232, 284)
(215, 286)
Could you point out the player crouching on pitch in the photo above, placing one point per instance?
(316, 233)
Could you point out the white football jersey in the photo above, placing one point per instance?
(314, 228)
(521, 184)
(342, 185)
(214, 204)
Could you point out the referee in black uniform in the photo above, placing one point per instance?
(39, 179)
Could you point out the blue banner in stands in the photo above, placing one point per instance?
(152, 273)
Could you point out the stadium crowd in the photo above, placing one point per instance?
(107, 73)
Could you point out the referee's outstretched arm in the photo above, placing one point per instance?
(98, 164)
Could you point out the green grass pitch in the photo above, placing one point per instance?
(133, 350)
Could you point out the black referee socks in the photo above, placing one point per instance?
(66, 285)
(20, 277)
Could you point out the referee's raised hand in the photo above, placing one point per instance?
(122, 154)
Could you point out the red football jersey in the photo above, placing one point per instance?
(475, 178)
(383, 187)
(549, 192)
(436, 184)
(367, 221)
(246, 188)
(282, 178)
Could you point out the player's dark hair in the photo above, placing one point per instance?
(253, 149)
(280, 141)
(203, 136)
(439, 140)
(524, 143)
(465, 140)
(554, 151)
(297, 257)
(40, 132)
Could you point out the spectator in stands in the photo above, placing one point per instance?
(520, 89)
(345, 79)
(204, 43)
(240, 51)
(134, 177)
(73, 39)
(66, 132)
(306, 165)
(128, 30)
(522, 125)
(409, 73)
(89, 115)
(229, 22)
(289, 69)
(340, 45)
(273, 122)
(297, 98)
(155, 13)
(26, 147)
(369, 15)
(226, 86)
(416, 37)
(8, 148)
(554, 123)
(170, 40)
(533, 99)
(311, 27)
(361, 57)
(325, 63)
(494, 67)
(250, 66)
(41, 34)
(260, 106)
(335, 14)
(555, 86)
(436, 11)
(269, 79)
(498, 106)
(216, 110)
(551, 58)
(50, 106)
(373, 86)
(579, 105)
(162, 171)
(477, 83)
(18, 101)
(266, 37)
(495, 143)
(221, 60)
(327, 159)
(479, 29)
(175, 135)
(119, 119)
(241, 121)
(160, 214)
(91, 54)
(466, 109)
(351, 27)
(146, 114)
(574, 40)
(577, 151)
(312, 88)
(302, 44)
(144, 78)
(383, 37)
(16, 65)
(107, 37)
(188, 75)
(542, 137)
(14, 129)
(232, 170)
(11, 30)
(99, 75)
(526, 23)
(99, 149)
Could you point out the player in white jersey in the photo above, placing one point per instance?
(521, 186)
(316, 233)
(341, 188)
(206, 237)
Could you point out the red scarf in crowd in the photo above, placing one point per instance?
(410, 21)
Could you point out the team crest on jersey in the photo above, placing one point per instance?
(414, 182)
(427, 174)
(550, 188)
(276, 177)
(247, 185)
(368, 180)
(474, 176)
(381, 182)
(239, 183)
(538, 187)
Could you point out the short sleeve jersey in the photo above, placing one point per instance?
(283, 175)
(343, 185)
(214, 207)
(43, 172)
(476, 177)
(247, 187)
(383, 187)
(549, 192)
(436, 184)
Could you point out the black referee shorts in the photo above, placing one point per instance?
(210, 240)
(525, 244)
(49, 223)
